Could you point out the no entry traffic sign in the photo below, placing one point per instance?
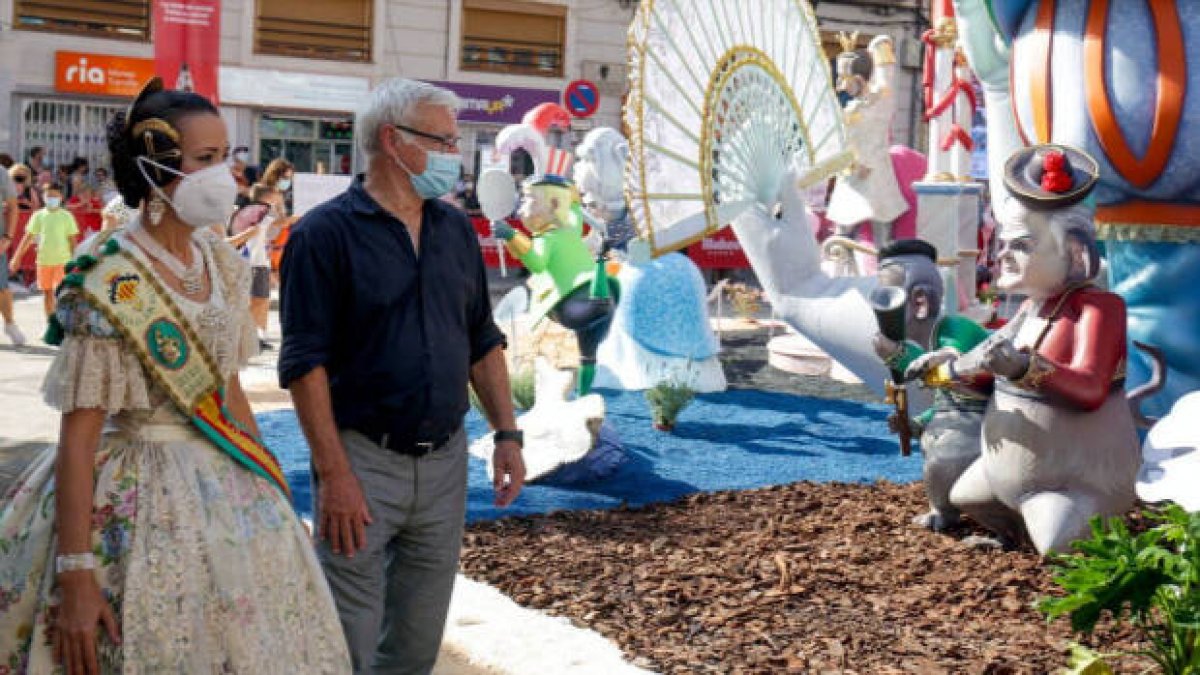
(582, 98)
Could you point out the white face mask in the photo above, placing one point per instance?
(202, 198)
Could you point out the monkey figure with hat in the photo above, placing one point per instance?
(565, 283)
(1059, 441)
(911, 292)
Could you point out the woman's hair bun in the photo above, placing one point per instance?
(153, 103)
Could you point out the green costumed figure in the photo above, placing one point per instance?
(566, 282)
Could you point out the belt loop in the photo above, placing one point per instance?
(383, 441)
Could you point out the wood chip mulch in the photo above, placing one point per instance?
(805, 578)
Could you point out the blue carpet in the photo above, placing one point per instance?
(735, 440)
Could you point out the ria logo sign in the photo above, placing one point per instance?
(81, 73)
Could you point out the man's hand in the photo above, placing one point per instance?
(5, 242)
(342, 514)
(83, 609)
(503, 231)
(508, 472)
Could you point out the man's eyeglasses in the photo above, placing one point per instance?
(447, 143)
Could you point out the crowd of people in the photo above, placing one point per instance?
(65, 204)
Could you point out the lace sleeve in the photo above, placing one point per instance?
(92, 368)
(235, 273)
(247, 346)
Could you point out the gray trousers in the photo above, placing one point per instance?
(393, 597)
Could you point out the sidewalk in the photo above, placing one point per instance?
(486, 633)
(27, 424)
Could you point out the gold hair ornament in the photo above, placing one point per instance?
(146, 129)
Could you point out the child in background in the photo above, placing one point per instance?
(56, 233)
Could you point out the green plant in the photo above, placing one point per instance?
(521, 383)
(667, 399)
(1151, 580)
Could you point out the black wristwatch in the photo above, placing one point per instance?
(515, 435)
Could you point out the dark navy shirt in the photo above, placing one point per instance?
(396, 332)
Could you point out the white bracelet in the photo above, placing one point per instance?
(74, 562)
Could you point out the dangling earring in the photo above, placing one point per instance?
(155, 209)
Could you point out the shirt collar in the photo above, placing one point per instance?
(361, 200)
(365, 204)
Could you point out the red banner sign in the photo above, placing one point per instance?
(187, 45)
(487, 243)
(720, 250)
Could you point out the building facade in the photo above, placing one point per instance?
(292, 73)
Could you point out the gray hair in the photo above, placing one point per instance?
(394, 102)
(600, 170)
(1075, 221)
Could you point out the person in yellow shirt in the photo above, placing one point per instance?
(57, 233)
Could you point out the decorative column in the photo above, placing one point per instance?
(947, 199)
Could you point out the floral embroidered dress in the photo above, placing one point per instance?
(206, 565)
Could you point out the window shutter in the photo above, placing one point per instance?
(513, 37)
(107, 18)
(337, 30)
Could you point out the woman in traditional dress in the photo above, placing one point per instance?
(158, 535)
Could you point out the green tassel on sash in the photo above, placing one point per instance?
(54, 332)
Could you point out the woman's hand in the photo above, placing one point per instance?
(83, 608)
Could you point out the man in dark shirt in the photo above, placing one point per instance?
(386, 317)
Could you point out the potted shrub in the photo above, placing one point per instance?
(667, 399)
(1150, 580)
(521, 382)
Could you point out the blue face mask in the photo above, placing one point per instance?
(440, 175)
(284, 184)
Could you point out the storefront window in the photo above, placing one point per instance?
(312, 145)
(519, 163)
(66, 130)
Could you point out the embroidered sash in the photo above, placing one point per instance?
(137, 305)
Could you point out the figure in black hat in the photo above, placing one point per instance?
(911, 287)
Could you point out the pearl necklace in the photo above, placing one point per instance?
(190, 277)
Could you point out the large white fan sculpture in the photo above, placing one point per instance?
(724, 98)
